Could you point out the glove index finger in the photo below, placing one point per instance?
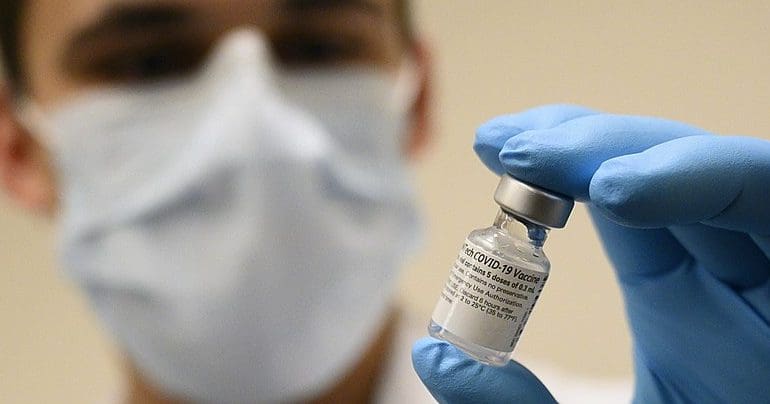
(492, 135)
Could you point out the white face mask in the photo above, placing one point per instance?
(240, 239)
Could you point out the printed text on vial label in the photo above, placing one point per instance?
(486, 299)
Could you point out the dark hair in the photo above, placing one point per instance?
(405, 22)
(10, 30)
(10, 21)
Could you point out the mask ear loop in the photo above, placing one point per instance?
(32, 118)
(406, 89)
(407, 84)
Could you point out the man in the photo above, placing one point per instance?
(236, 224)
(229, 180)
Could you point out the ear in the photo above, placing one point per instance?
(25, 172)
(421, 129)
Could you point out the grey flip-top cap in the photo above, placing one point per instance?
(532, 203)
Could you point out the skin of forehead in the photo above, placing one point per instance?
(42, 43)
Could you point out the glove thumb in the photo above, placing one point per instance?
(453, 377)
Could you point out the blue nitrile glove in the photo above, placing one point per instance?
(685, 219)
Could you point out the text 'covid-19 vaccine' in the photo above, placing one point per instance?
(499, 274)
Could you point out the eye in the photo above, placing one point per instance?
(149, 63)
(307, 50)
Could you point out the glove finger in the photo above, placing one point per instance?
(699, 338)
(638, 254)
(715, 180)
(730, 256)
(719, 181)
(564, 158)
(763, 241)
(684, 321)
(453, 377)
(492, 135)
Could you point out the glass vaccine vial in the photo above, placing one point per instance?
(499, 274)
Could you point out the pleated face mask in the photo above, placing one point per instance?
(238, 232)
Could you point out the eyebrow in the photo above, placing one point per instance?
(305, 6)
(121, 19)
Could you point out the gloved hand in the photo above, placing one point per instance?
(684, 216)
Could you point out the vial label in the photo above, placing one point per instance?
(487, 300)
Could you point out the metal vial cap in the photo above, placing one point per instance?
(535, 204)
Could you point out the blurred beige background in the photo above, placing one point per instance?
(704, 62)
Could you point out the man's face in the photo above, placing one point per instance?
(79, 44)
(73, 46)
